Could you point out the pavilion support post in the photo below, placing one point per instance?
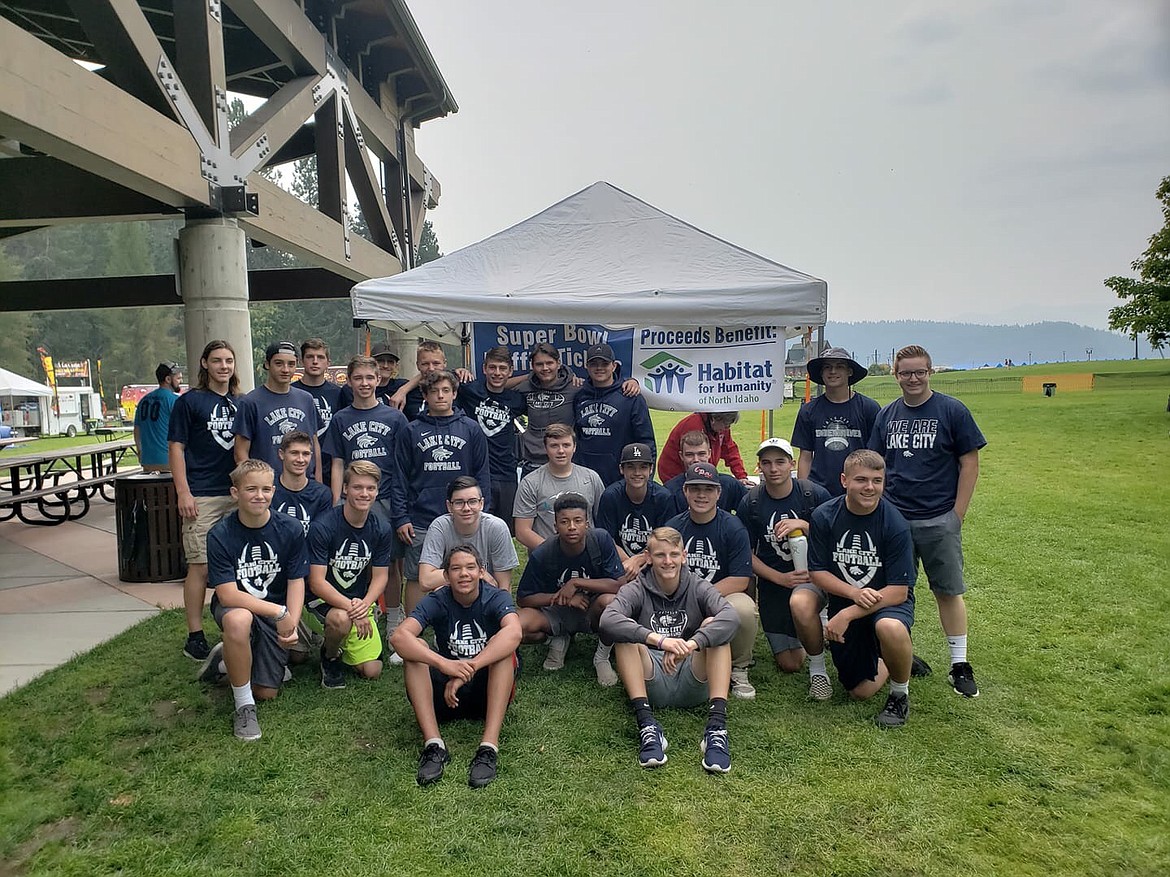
(213, 281)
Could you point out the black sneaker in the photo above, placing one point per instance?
(919, 667)
(197, 648)
(332, 672)
(894, 713)
(483, 767)
(962, 679)
(653, 745)
(209, 669)
(431, 763)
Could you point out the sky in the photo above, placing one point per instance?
(989, 162)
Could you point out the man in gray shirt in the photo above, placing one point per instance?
(538, 492)
(466, 523)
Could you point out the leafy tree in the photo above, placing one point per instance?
(428, 244)
(879, 368)
(1146, 310)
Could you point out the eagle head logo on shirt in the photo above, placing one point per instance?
(257, 568)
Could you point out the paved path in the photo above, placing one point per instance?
(60, 595)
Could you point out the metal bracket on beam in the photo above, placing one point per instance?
(214, 10)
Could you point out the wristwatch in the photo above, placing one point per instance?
(282, 615)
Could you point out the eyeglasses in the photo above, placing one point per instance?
(466, 503)
(919, 373)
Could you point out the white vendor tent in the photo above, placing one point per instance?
(12, 384)
(599, 256)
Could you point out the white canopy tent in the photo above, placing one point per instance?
(599, 256)
(12, 384)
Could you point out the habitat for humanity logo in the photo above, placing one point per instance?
(664, 371)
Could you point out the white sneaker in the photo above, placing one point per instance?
(395, 660)
(606, 677)
(741, 686)
(558, 647)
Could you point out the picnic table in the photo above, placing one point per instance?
(16, 440)
(61, 482)
(112, 433)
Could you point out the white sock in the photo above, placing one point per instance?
(816, 665)
(491, 746)
(438, 740)
(243, 695)
(958, 646)
(603, 652)
(902, 688)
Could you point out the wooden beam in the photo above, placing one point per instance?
(330, 134)
(199, 62)
(283, 28)
(47, 191)
(57, 107)
(278, 119)
(368, 190)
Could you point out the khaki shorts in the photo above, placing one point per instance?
(209, 511)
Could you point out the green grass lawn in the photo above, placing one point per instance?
(119, 763)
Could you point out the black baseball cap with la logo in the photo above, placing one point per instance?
(637, 453)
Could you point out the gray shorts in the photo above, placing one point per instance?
(565, 620)
(782, 642)
(412, 553)
(269, 658)
(938, 544)
(680, 690)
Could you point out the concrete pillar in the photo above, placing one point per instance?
(213, 282)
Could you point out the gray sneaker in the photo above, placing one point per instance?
(558, 647)
(209, 669)
(244, 723)
(741, 685)
(894, 713)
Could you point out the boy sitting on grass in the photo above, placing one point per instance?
(350, 551)
(471, 671)
(257, 563)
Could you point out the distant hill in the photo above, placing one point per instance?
(966, 345)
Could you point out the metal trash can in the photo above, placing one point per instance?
(1050, 389)
(150, 536)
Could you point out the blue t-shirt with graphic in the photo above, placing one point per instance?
(496, 414)
(201, 422)
(922, 446)
(153, 417)
(348, 553)
(328, 399)
(549, 567)
(865, 551)
(832, 431)
(461, 632)
(371, 434)
(717, 549)
(302, 506)
(263, 417)
(729, 496)
(259, 560)
(630, 523)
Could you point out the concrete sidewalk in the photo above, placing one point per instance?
(60, 595)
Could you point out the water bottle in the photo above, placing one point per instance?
(798, 547)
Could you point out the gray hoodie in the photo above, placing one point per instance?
(640, 608)
(546, 405)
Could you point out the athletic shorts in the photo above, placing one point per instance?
(472, 695)
(856, 659)
(209, 511)
(938, 544)
(681, 689)
(269, 657)
(787, 640)
(566, 620)
(503, 501)
(354, 649)
(412, 553)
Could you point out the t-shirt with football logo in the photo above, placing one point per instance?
(832, 431)
(461, 632)
(327, 397)
(260, 560)
(630, 523)
(549, 567)
(496, 414)
(865, 551)
(717, 549)
(348, 553)
(201, 422)
(371, 434)
(302, 506)
(263, 417)
(760, 519)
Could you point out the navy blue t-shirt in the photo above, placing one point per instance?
(371, 434)
(922, 447)
(328, 399)
(630, 523)
(717, 549)
(832, 431)
(201, 422)
(302, 505)
(260, 561)
(382, 394)
(729, 497)
(349, 554)
(759, 518)
(496, 414)
(461, 632)
(865, 551)
(549, 567)
(263, 417)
